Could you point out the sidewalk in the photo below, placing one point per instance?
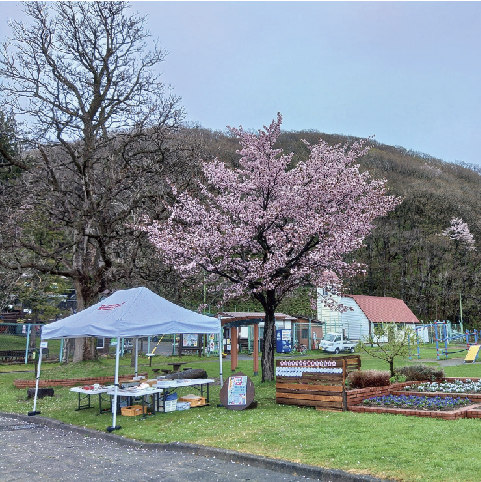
(42, 449)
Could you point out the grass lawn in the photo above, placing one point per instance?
(386, 446)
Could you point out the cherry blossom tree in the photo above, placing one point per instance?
(459, 232)
(267, 227)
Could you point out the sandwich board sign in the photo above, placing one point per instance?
(238, 392)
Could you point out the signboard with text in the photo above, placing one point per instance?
(295, 368)
(237, 392)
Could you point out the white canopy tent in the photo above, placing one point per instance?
(132, 313)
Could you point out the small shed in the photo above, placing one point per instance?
(235, 325)
(363, 313)
(307, 331)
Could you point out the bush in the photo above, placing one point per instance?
(420, 373)
(397, 379)
(368, 378)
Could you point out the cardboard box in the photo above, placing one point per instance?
(133, 410)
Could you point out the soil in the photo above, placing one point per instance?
(450, 362)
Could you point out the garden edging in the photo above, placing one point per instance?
(356, 397)
(72, 382)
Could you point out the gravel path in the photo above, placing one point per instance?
(40, 450)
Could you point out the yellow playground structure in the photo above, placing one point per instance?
(472, 354)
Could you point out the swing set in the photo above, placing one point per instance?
(441, 336)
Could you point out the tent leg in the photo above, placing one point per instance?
(116, 384)
(60, 355)
(34, 411)
(136, 356)
(29, 329)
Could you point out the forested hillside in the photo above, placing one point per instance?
(406, 256)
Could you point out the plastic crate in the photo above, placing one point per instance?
(133, 410)
(183, 406)
(170, 405)
(194, 400)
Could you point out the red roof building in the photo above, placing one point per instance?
(361, 313)
(384, 309)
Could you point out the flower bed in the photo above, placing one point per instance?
(415, 402)
(470, 411)
(355, 399)
(456, 386)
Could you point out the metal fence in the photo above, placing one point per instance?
(20, 343)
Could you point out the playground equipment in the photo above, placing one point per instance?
(152, 354)
(473, 348)
(441, 335)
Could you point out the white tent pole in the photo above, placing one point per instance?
(116, 387)
(136, 355)
(28, 329)
(221, 346)
(34, 412)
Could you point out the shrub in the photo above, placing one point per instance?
(420, 372)
(397, 379)
(368, 378)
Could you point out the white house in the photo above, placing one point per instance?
(363, 312)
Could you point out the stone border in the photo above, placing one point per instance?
(356, 396)
(469, 411)
(72, 382)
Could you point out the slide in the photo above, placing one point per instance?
(472, 354)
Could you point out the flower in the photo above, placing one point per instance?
(420, 402)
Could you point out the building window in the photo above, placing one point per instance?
(304, 333)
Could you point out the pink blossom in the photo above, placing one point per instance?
(272, 227)
(459, 231)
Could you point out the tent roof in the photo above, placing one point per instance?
(131, 313)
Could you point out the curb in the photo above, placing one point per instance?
(283, 466)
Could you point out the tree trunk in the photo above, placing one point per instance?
(391, 366)
(267, 360)
(85, 348)
(132, 354)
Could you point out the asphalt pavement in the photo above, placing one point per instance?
(41, 449)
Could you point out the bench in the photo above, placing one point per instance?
(9, 355)
(176, 365)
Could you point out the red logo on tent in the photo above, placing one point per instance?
(110, 307)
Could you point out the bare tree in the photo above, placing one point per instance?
(103, 132)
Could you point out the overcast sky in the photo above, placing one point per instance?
(408, 73)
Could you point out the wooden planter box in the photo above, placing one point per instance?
(316, 383)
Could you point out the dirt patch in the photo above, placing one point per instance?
(450, 362)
